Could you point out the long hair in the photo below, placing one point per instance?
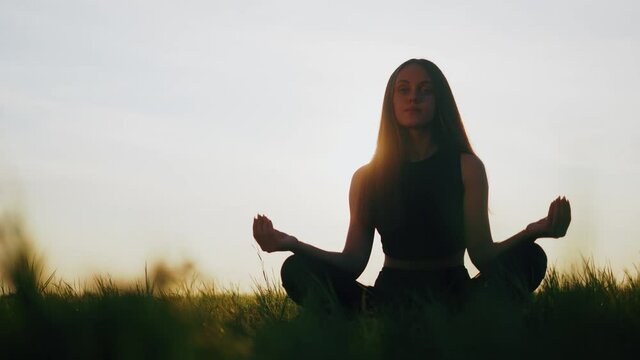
(391, 149)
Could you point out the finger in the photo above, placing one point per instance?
(255, 226)
(550, 212)
(564, 208)
(564, 218)
(261, 225)
(267, 225)
(257, 223)
(554, 208)
(553, 219)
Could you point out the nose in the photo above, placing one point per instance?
(414, 98)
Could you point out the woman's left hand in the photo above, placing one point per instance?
(556, 223)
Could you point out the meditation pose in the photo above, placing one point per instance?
(426, 193)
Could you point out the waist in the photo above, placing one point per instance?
(442, 263)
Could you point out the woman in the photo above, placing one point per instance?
(426, 193)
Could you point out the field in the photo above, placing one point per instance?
(586, 314)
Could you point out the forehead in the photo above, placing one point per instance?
(413, 73)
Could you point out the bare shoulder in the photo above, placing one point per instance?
(359, 192)
(472, 168)
(360, 175)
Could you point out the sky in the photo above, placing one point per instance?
(133, 131)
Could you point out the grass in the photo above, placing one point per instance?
(587, 313)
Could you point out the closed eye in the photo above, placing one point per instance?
(426, 90)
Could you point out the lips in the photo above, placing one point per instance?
(412, 109)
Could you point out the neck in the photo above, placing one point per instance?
(421, 144)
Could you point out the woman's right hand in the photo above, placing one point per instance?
(270, 239)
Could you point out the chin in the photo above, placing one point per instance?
(417, 125)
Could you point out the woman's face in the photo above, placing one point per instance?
(413, 99)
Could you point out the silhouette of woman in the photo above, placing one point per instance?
(426, 193)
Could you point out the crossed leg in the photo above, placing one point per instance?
(515, 273)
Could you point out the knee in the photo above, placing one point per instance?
(297, 275)
(527, 263)
(289, 269)
(538, 262)
(538, 256)
(293, 269)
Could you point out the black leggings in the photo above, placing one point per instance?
(515, 273)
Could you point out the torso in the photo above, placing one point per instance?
(431, 233)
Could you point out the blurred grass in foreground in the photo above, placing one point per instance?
(584, 314)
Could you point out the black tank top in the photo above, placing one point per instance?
(432, 225)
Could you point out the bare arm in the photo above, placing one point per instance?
(355, 255)
(481, 247)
